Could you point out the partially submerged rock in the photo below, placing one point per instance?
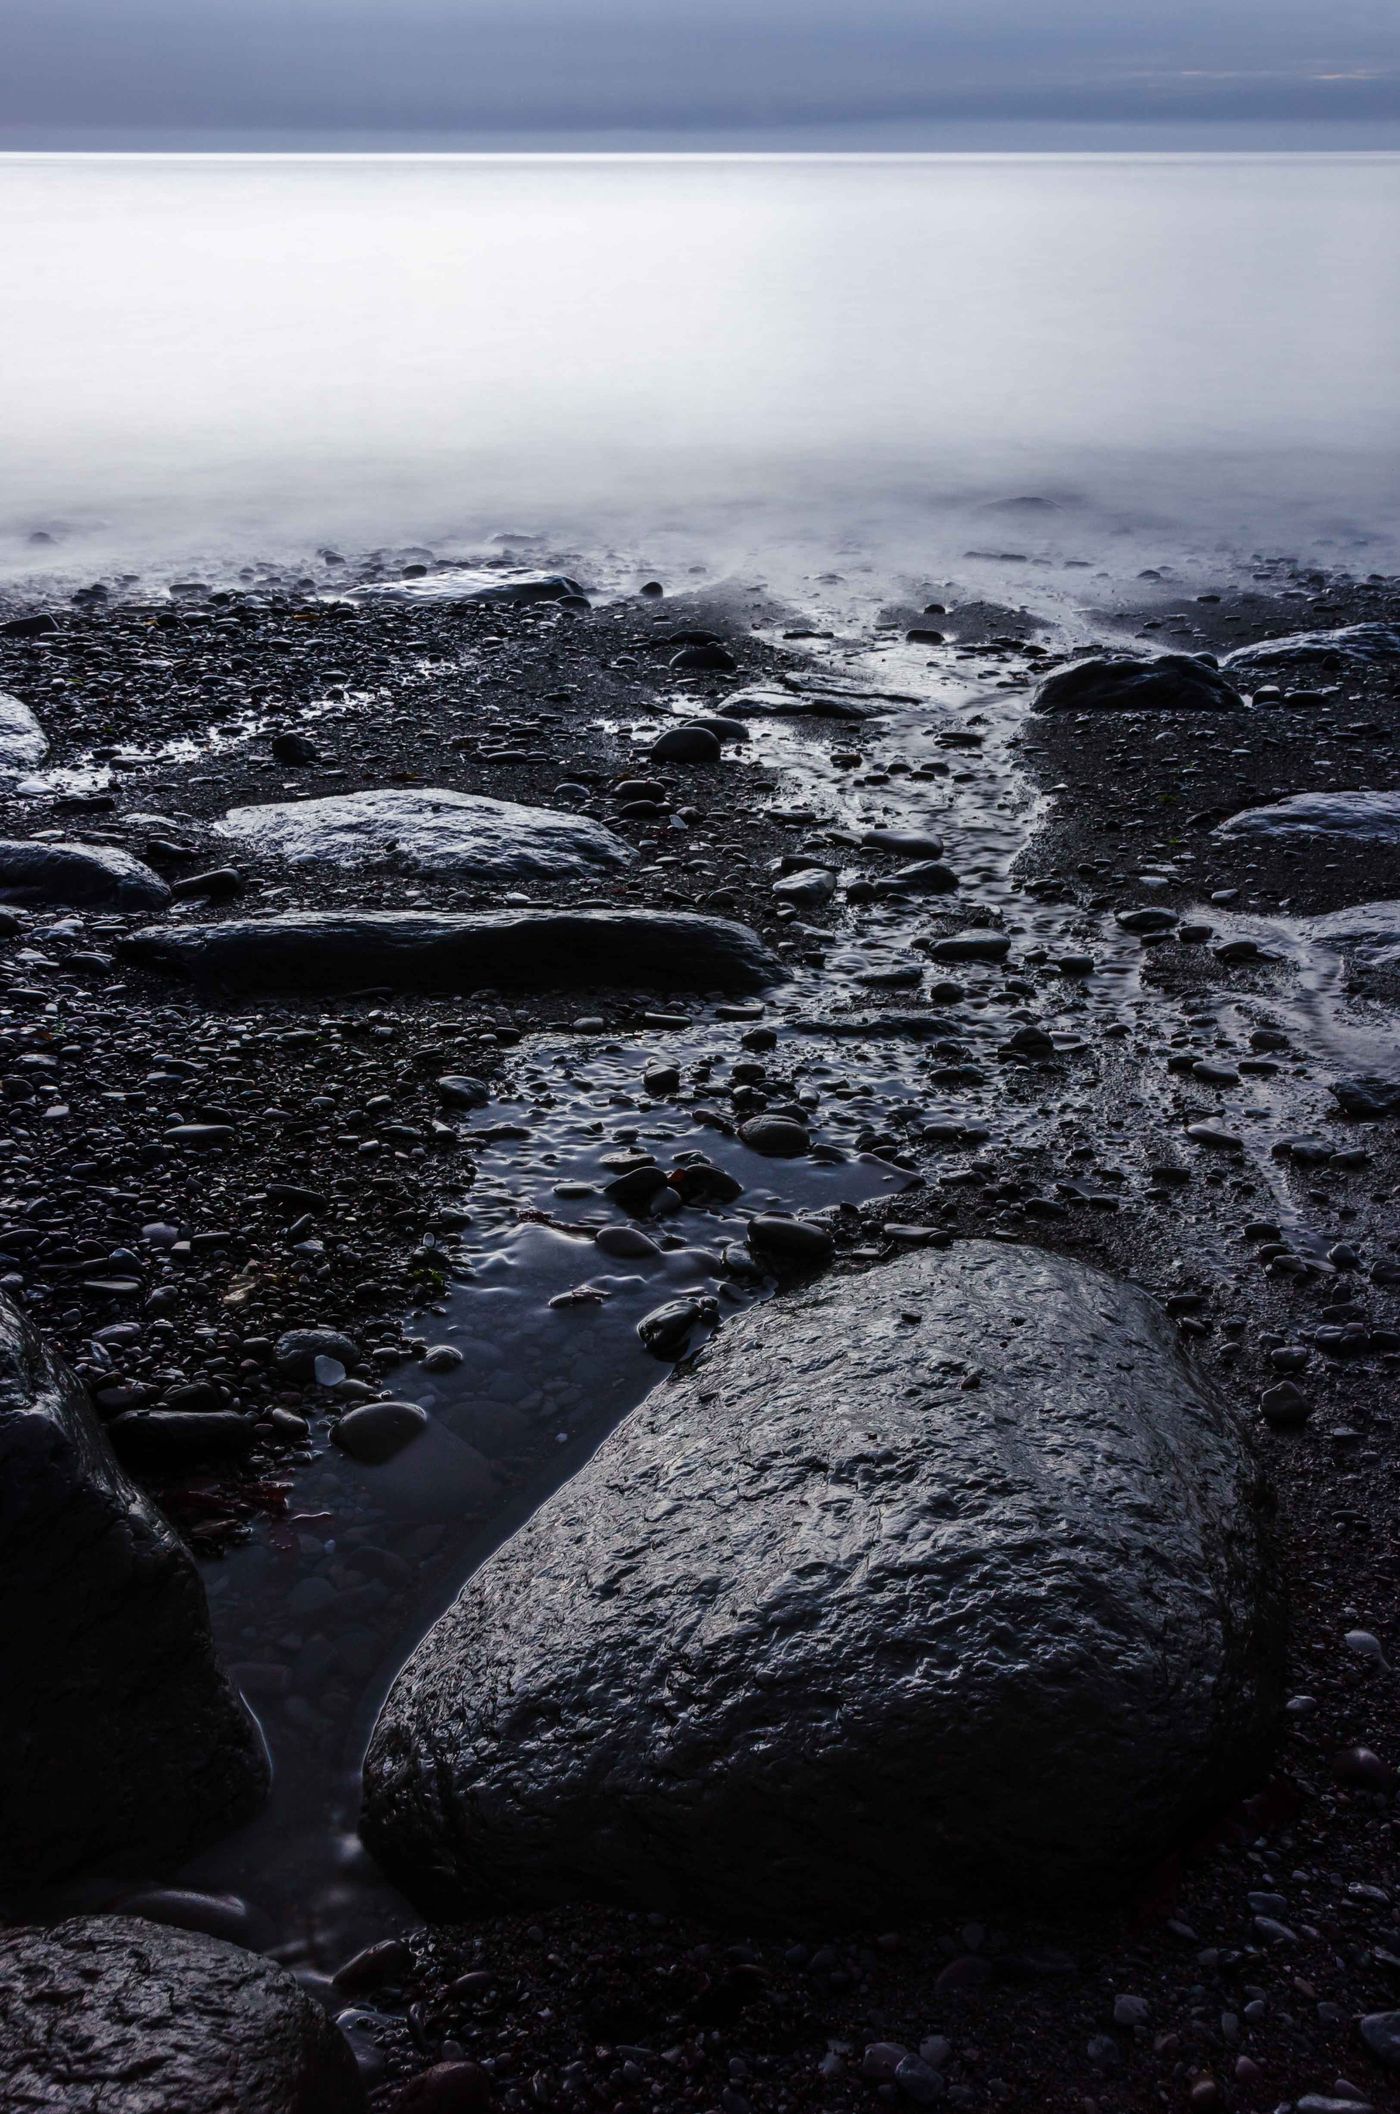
(80, 875)
(430, 832)
(23, 741)
(122, 1738)
(416, 950)
(1364, 817)
(945, 1578)
(1174, 682)
(112, 2015)
(794, 704)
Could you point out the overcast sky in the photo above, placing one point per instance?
(682, 72)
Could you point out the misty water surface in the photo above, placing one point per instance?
(211, 351)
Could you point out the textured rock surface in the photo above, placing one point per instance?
(433, 950)
(110, 2015)
(77, 874)
(122, 1739)
(430, 832)
(1364, 818)
(1311, 649)
(1173, 683)
(22, 739)
(823, 1629)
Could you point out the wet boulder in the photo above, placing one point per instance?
(1173, 682)
(1360, 817)
(417, 950)
(430, 831)
(112, 2015)
(946, 1581)
(81, 876)
(122, 1740)
(1310, 650)
(23, 741)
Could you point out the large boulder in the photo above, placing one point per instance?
(109, 2015)
(81, 876)
(416, 950)
(1174, 682)
(947, 1579)
(430, 832)
(123, 1742)
(1360, 817)
(23, 741)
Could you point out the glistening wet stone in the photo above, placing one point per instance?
(114, 2014)
(416, 950)
(1361, 817)
(1175, 682)
(80, 875)
(433, 831)
(123, 1738)
(949, 1573)
(22, 740)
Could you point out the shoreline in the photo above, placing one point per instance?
(1063, 1148)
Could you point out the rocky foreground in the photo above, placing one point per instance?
(967, 1677)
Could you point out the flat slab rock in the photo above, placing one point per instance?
(122, 1739)
(1173, 682)
(436, 950)
(946, 1579)
(1304, 649)
(430, 832)
(1365, 817)
(111, 2015)
(23, 741)
(77, 875)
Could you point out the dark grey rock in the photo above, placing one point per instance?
(441, 950)
(77, 874)
(32, 627)
(122, 1738)
(708, 658)
(114, 2015)
(1380, 2030)
(778, 1137)
(295, 1353)
(822, 1630)
(1310, 649)
(797, 1241)
(794, 704)
(431, 831)
(923, 877)
(380, 1430)
(23, 741)
(1368, 1099)
(1363, 817)
(457, 1090)
(666, 1331)
(907, 843)
(1174, 682)
(292, 747)
(971, 947)
(688, 744)
(520, 594)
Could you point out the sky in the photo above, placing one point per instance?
(695, 73)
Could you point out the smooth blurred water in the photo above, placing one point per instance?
(208, 351)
